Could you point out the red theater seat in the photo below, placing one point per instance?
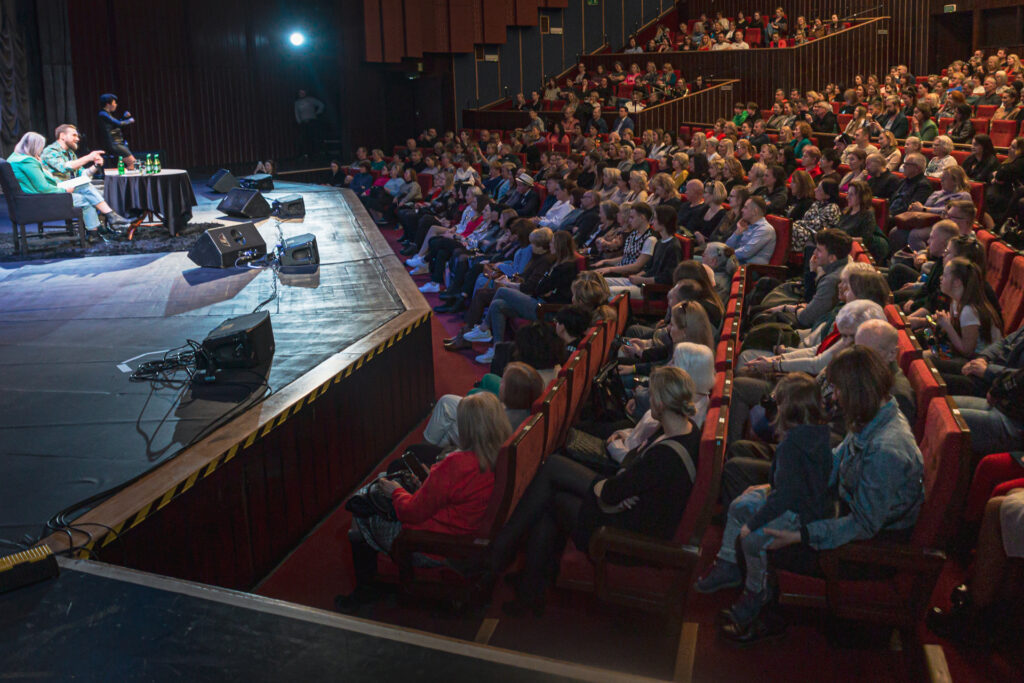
(927, 384)
(999, 260)
(980, 125)
(782, 234)
(985, 111)
(1003, 132)
(640, 571)
(1011, 298)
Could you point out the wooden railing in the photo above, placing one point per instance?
(714, 101)
(836, 58)
(706, 105)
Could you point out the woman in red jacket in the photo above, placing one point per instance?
(452, 500)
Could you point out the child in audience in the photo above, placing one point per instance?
(799, 494)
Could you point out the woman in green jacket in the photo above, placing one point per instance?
(923, 124)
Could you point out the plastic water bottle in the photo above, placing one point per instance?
(120, 166)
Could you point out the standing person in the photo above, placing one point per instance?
(113, 136)
(60, 159)
(307, 111)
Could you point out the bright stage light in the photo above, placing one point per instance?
(296, 39)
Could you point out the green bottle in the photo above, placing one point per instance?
(120, 166)
(156, 163)
(149, 163)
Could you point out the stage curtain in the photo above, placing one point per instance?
(14, 81)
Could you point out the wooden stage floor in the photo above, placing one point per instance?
(72, 425)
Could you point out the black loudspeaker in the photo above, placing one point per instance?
(225, 245)
(300, 251)
(243, 342)
(289, 206)
(245, 204)
(222, 181)
(258, 181)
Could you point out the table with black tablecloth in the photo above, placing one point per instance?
(168, 194)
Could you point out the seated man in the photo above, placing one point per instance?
(61, 160)
(34, 178)
(754, 238)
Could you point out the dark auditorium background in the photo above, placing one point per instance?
(225, 70)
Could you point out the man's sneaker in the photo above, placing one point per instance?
(414, 261)
(431, 288)
(486, 357)
(477, 335)
(420, 270)
(722, 575)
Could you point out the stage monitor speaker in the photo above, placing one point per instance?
(245, 204)
(263, 182)
(300, 251)
(225, 245)
(222, 181)
(243, 342)
(289, 206)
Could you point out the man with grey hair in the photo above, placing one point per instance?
(720, 258)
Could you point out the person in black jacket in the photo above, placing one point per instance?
(566, 499)
(982, 162)
(555, 287)
(798, 494)
(915, 186)
(1008, 177)
(883, 183)
(524, 201)
(666, 256)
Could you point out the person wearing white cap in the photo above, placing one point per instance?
(524, 200)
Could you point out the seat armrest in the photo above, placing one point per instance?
(611, 541)
(910, 558)
(755, 270)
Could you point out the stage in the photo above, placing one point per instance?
(72, 425)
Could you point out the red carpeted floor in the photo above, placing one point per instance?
(575, 627)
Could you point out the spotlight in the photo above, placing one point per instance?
(296, 39)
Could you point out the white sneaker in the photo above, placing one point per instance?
(486, 357)
(431, 288)
(477, 335)
(419, 270)
(414, 261)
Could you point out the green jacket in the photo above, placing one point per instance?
(929, 131)
(31, 175)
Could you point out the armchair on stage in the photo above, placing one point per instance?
(37, 208)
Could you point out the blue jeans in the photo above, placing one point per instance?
(86, 198)
(991, 430)
(755, 545)
(509, 303)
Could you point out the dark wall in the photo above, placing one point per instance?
(528, 57)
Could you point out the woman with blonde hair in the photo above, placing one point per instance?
(567, 499)
(941, 157)
(611, 190)
(860, 120)
(637, 187)
(801, 192)
(664, 192)
(680, 169)
(745, 154)
(911, 146)
(890, 150)
(452, 500)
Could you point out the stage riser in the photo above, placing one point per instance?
(232, 527)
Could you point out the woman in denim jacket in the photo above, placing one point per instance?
(877, 478)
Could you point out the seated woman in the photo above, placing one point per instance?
(689, 322)
(519, 386)
(797, 495)
(857, 160)
(1007, 177)
(554, 287)
(666, 256)
(801, 195)
(823, 214)
(648, 496)
(961, 131)
(858, 221)
(942, 158)
(982, 162)
(442, 232)
(877, 477)
(452, 500)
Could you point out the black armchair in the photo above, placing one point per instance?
(28, 208)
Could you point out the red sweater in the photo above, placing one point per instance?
(453, 499)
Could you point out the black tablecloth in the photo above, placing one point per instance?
(167, 193)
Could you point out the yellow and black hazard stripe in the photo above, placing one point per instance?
(225, 457)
